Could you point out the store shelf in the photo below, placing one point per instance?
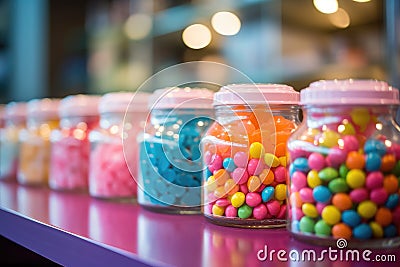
(74, 229)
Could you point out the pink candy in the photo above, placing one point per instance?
(260, 212)
(350, 143)
(358, 195)
(215, 163)
(299, 180)
(378, 195)
(273, 207)
(240, 159)
(231, 211)
(253, 199)
(374, 180)
(255, 167)
(240, 176)
(306, 195)
(316, 161)
(280, 174)
(336, 157)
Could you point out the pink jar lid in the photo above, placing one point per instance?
(181, 98)
(45, 107)
(119, 102)
(343, 92)
(256, 94)
(79, 105)
(15, 110)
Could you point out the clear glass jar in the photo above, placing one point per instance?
(15, 118)
(113, 154)
(345, 164)
(245, 155)
(42, 118)
(170, 165)
(2, 116)
(70, 147)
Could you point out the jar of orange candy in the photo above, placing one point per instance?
(244, 154)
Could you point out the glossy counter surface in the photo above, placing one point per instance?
(75, 229)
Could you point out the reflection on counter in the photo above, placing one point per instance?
(33, 202)
(113, 223)
(8, 195)
(69, 212)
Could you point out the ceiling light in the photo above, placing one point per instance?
(196, 36)
(225, 23)
(326, 6)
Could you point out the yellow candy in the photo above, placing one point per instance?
(282, 161)
(231, 187)
(355, 178)
(329, 138)
(211, 185)
(367, 209)
(360, 117)
(256, 150)
(313, 179)
(346, 128)
(238, 199)
(217, 210)
(331, 215)
(219, 192)
(377, 230)
(309, 210)
(271, 160)
(280, 192)
(253, 183)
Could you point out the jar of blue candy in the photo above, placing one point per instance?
(170, 165)
(344, 165)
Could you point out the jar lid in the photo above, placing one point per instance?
(79, 105)
(341, 92)
(119, 102)
(242, 94)
(45, 107)
(15, 110)
(181, 98)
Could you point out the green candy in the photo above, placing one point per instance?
(343, 170)
(307, 225)
(328, 174)
(322, 228)
(338, 185)
(245, 211)
(396, 169)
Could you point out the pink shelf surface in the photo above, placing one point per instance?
(76, 229)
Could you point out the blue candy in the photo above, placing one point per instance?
(390, 231)
(362, 231)
(291, 170)
(267, 193)
(372, 162)
(351, 218)
(392, 201)
(301, 164)
(229, 165)
(322, 194)
(373, 145)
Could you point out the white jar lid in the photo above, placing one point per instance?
(79, 105)
(256, 94)
(45, 107)
(181, 98)
(15, 110)
(119, 102)
(349, 92)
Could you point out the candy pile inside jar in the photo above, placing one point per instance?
(69, 168)
(345, 163)
(42, 118)
(245, 155)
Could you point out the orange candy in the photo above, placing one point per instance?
(388, 162)
(355, 160)
(267, 176)
(383, 216)
(296, 199)
(391, 184)
(341, 230)
(221, 176)
(280, 150)
(253, 183)
(342, 201)
(231, 187)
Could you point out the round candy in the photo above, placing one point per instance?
(341, 230)
(306, 195)
(301, 164)
(367, 209)
(383, 216)
(230, 211)
(346, 128)
(309, 210)
(313, 179)
(336, 157)
(230, 187)
(299, 179)
(355, 160)
(338, 185)
(350, 143)
(256, 150)
(360, 116)
(373, 145)
(390, 231)
(322, 194)
(391, 184)
(273, 207)
(271, 160)
(342, 201)
(253, 199)
(240, 159)
(255, 167)
(392, 201)
(388, 163)
(316, 161)
(307, 225)
(260, 212)
(351, 218)
(362, 231)
(377, 230)
(267, 176)
(358, 195)
(355, 178)
(228, 164)
(253, 183)
(372, 162)
(268, 193)
(321, 228)
(238, 199)
(244, 212)
(328, 174)
(378, 196)
(217, 210)
(280, 174)
(221, 176)
(280, 192)
(374, 180)
(216, 163)
(343, 170)
(331, 215)
(329, 138)
(295, 199)
(240, 175)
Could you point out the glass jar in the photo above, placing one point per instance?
(14, 117)
(245, 155)
(170, 166)
(70, 147)
(110, 177)
(2, 116)
(42, 118)
(345, 164)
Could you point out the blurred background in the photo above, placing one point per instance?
(52, 48)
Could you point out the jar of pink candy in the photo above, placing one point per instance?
(70, 147)
(344, 165)
(244, 154)
(113, 155)
(14, 117)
